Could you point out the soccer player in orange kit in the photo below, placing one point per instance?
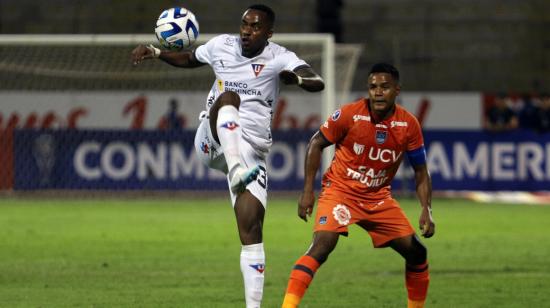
(371, 137)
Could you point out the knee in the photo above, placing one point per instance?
(418, 254)
(229, 98)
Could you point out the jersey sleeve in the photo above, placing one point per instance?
(205, 53)
(288, 60)
(415, 138)
(337, 125)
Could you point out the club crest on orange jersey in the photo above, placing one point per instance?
(381, 136)
(257, 68)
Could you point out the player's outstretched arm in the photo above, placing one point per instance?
(313, 160)
(305, 77)
(185, 58)
(424, 193)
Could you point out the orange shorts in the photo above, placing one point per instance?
(384, 219)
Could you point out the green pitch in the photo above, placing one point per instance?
(168, 253)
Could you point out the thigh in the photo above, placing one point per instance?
(250, 158)
(385, 222)
(207, 149)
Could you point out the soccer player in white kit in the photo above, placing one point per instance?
(234, 135)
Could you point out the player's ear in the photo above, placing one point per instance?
(269, 33)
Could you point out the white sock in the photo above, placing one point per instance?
(229, 133)
(252, 267)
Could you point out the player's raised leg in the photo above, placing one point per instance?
(417, 276)
(306, 266)
(225, 127)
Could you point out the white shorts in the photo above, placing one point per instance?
(211, 154)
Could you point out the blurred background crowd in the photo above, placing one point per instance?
(463, 45)
(507, 113)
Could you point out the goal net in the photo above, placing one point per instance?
(39, 67)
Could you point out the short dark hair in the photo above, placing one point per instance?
(266, 9)
(385, 68)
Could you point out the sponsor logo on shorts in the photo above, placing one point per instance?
(260, 267)
(341, 214)
(231, 125)
(205, 148)
(210, 101)
(323, 220)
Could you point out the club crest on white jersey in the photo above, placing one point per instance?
(257, 68)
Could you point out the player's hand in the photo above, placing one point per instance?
(141, 53)
(427, 224)
(288, 77)
(305, 205)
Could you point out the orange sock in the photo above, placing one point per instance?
(300, 278)
(417, 279)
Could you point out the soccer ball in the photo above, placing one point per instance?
(177, 28)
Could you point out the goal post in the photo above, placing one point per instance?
(35, 64)
(324, 42)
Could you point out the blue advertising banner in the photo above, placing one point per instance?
(474, 160)
(159, 160)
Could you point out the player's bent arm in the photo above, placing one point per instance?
(309, 80)
(313, 159)
(184, 58)
(304, 77)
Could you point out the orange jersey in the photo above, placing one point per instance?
(368, 154)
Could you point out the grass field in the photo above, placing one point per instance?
(170, 253)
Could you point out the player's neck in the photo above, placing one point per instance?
(255, 53)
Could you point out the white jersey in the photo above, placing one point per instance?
(256, 80)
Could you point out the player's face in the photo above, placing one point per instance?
(383, 90)
(255, 31)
